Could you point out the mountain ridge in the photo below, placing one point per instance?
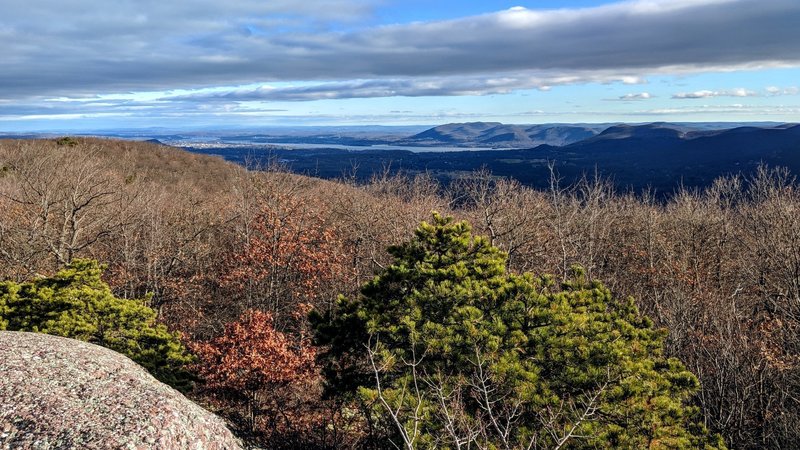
(496, 134)
(660, 156)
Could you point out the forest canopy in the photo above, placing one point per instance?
(215, 250)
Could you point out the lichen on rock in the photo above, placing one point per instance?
(59, 393)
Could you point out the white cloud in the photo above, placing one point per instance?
(638, 96)
(404, 87)
(775, 91)
(738, 92)
(716, 111)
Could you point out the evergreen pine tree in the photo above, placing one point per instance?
(453, 351)
(76, 303)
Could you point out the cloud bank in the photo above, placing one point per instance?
(408, 87)
(96, 47)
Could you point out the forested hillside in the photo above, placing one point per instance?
(279, 286)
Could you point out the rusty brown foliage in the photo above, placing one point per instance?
(267, 384)
(718, 268)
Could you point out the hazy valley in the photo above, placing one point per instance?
(658, 156)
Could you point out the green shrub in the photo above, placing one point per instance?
(76, 303)
(67, 141)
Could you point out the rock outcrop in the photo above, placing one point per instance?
(58, 393)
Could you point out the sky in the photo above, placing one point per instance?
(84, 65)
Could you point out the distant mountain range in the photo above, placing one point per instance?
(664, 155)
(498, 135)
(661, 156)
(495, 134)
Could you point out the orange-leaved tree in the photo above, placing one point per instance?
(249, 365)
(289, 259)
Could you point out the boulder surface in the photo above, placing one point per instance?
(59, 393)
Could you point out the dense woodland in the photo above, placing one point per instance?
(254, 270)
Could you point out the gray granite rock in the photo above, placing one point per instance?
(58, 393)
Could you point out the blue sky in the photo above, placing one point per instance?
(249, 63)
